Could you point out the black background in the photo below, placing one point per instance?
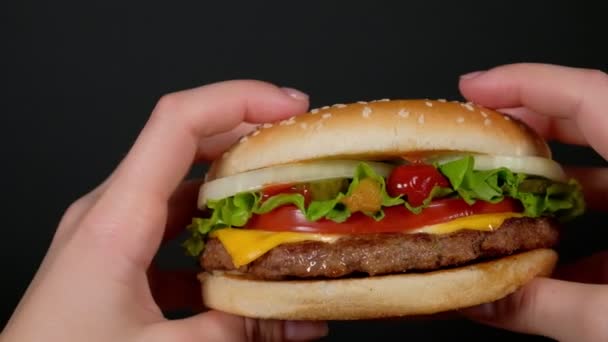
(79, 80)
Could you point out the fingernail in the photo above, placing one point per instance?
(471, 75)
(296, 94)
(305, 330)
(483, 311)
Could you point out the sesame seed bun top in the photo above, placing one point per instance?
(381, 129)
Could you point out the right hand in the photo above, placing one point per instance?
(569, 105)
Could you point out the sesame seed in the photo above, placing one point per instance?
(317, 125)
(339, 105)
(267, 125)
(366, 112)
(255, 133)
(243, 139)
(468, 106)
(484, 114)
(442, 100)
(428, 104)
(506, 117)
(288, 122)
(314, 111)
(460, 119)
(303, 125)
(403, 113)
(326, 116)
(487, 122)
(325, 107)
(362, 102)
(383, 100)
(421, 119)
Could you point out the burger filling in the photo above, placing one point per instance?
(385, 253)
(380, 218)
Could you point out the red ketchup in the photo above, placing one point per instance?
(415, 181)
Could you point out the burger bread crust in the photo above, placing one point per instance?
(376, 297)
(381, 130)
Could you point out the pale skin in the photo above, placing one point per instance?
(95, 282)
(568, 105)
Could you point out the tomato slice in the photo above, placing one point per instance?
(276, 189)
(397, 218)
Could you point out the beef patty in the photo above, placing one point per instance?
(385, 253)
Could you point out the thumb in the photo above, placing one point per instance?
(553, 308)
(218, 326)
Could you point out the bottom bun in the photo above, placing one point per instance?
(375, 297)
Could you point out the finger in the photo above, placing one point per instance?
(550, 128)
(594, 182)
(219, 326)
(167, 145)
(211, 148)
(590, 270)
(131, 213)
(182, 208)
(175, 290)
(554, 308)
(563, 92)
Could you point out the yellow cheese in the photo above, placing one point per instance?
(484, 222)
(244, 245)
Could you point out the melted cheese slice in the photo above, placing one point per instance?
(483, 222)
(244, 246)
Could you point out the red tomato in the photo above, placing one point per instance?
(414, 181)
(276, 189)
(397, 218)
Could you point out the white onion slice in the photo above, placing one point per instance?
(530, 165)
(289, 173)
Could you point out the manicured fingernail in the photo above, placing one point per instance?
(471, 75)
(483, 311)
(296, 94)
(305, 330)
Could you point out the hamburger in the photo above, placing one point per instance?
(379, 209)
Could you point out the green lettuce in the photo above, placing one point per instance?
(538, 196)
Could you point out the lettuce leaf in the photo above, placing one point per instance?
(539, 196)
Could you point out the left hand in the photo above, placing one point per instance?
(96, 283)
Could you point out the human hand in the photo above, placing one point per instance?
(568, 105)
(95, 281)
